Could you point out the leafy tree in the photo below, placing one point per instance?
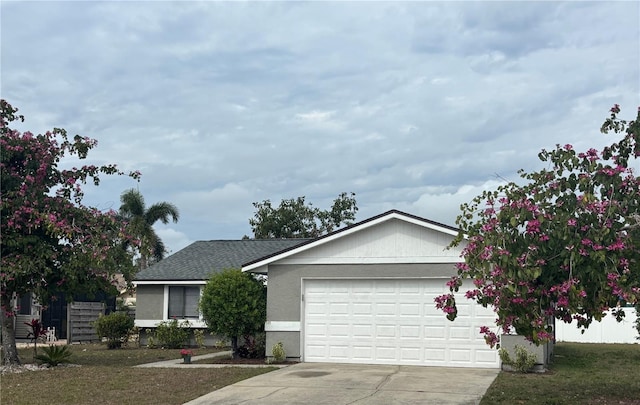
(140, 222)
(234, 304)
(564, 245)
(293, 218)
(51, 243)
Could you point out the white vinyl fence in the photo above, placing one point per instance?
(606, 331)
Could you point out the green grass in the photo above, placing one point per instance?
(580, 374)
(107, 377)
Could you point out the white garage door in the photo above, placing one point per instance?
(392, 321)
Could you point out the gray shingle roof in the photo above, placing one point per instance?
(200, 259)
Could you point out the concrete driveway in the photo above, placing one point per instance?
(342, 384)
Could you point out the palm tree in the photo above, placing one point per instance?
(140, 223)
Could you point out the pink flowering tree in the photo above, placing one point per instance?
(564, 244)
(50, 242)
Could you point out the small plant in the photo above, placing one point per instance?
(37, 331)
(151, 342)
(134, 336)
(278, 353)
(54, 355)
(115, 327)
(172, 334)
(198, 335)
(523, 362)
(221, 344)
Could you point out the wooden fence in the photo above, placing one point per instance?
(81, 317)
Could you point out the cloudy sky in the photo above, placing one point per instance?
(414, 106)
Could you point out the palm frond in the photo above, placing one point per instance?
(132, 203)
(162, 212)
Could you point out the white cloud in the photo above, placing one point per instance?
(414, 106)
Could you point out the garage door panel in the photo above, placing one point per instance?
(385, 353)
(316, 308)
(409, 331)
(434, 332)
(410, 354)
(385, 309)
(337, 330)
(460, 333)
(384, 289)
(339, 309)
(361, 308)
(391, 321)
(385, 331)
(409, 310)
(339, 352)
(316, 330)
(460, 355)
(363, 331)
(485, 356)
(363, 353)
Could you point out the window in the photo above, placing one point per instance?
(183, 302)
(25, 304)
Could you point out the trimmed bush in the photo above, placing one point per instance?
(172, 334)
(115, 327)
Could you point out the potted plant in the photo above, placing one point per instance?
(186, 355)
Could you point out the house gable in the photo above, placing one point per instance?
(393, 237)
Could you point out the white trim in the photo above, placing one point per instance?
(170, 282)
(346, 232)
(282, 326)
(165, 304)
(373, 260)
(152, 323)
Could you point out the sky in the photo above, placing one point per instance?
(415, 106)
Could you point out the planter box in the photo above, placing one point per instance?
(543, 352)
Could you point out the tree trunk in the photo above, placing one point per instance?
(9, 350)
(234, 347)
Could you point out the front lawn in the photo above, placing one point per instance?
(580, 374)
(107, 377)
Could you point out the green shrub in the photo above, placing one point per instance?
(115, 327)
(523, 362)
(172, 334)
(278, 353)
(54, 355)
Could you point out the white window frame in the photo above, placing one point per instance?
(194, 323)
